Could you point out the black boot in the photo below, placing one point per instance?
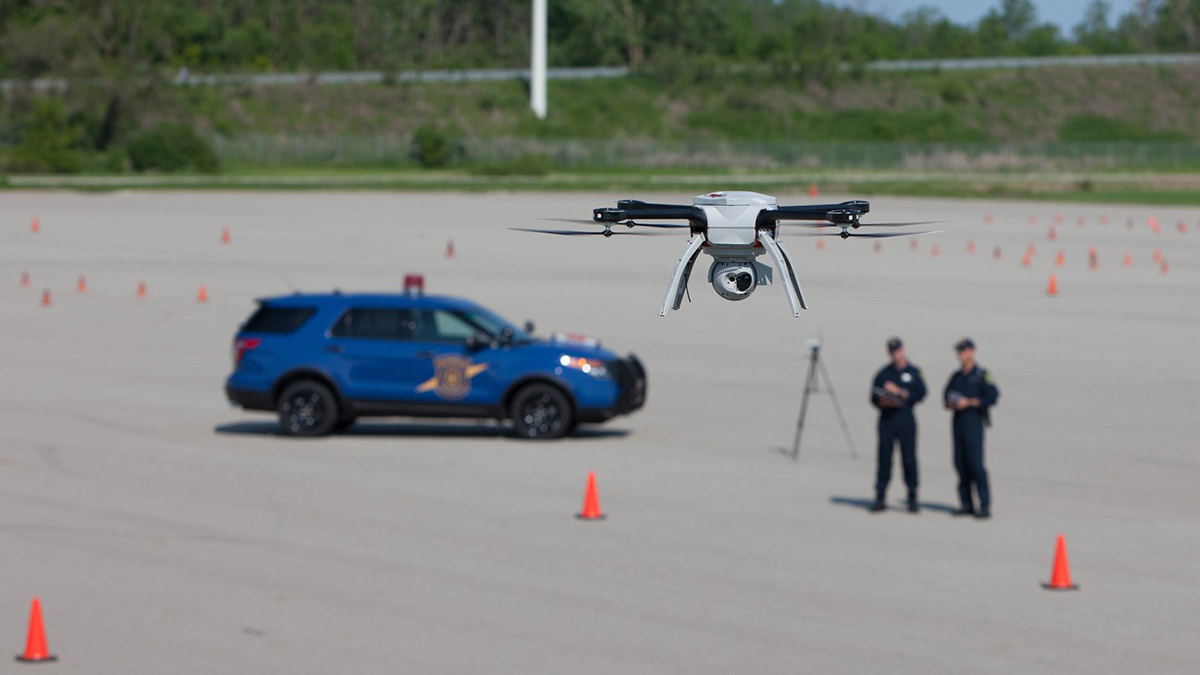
(964, 511)
(877, 506)
(913, 505)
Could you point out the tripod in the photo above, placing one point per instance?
(816, 368)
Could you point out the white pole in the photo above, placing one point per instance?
(537, 66)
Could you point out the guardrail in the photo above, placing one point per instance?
(185, 78)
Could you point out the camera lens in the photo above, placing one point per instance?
(743, 281)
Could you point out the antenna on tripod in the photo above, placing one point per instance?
(816, 369)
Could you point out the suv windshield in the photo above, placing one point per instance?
(495, 326)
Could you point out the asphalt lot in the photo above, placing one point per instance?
(168, 532)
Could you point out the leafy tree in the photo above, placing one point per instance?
(47, 141)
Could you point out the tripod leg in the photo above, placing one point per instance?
(810, 385)
(838, 409)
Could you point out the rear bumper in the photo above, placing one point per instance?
(249, 399)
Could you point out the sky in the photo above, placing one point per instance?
(1065, 13)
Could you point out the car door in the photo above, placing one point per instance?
(458, 374)
(372, 351)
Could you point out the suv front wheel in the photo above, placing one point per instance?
(541, 411)
(307, 408)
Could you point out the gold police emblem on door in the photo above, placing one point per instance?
(452, 376)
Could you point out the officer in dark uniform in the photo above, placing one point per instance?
(970, 393)
(897, 388)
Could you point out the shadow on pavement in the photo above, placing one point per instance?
(400, 429)
(865, 504)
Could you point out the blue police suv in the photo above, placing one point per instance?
(323, 360)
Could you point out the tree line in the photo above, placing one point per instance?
(117, 38)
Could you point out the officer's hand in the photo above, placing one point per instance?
(891, 387)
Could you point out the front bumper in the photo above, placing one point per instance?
(630, 378)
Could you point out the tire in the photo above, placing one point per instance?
(307, 408)
(541, 411)
(344, 424)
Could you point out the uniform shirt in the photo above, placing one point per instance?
(976, 384)
(907, 378)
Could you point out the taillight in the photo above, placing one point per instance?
(241, 346)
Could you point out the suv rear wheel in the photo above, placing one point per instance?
(541, 411)
(307, 408)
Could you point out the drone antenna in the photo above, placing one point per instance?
(288, 282)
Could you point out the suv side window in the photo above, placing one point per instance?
(438, 325)
(374, 324)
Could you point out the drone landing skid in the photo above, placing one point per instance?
(683, 269)
(783, 262)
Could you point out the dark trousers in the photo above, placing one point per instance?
(968, 460)
(899, 427)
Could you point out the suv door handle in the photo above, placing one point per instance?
(424, 355)
(335, 349)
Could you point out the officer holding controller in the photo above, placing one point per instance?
(897, 388)
(970, 393)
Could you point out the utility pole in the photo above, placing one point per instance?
(537, 65)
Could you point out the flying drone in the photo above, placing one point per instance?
(735, 228)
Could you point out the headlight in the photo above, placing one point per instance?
(591, 367)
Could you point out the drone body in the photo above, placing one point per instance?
(735, 228)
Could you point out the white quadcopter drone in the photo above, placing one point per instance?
(734, 228)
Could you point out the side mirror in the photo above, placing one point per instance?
(529, 327)
(479, 341)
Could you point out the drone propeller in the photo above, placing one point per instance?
(627, 223)
(875, 235)
(577, 233)
(828, 224)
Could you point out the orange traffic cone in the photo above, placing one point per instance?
(591, 501)
(1060, 258)
(36, 649)
(1051, 234)
(987, 218)
(820, 244)
(1031, 250)
(35, 225)
(1032, 219)
(1153, 222)
(225, 239)
(202, 294)
(1129, 223)
(878, 247)
(812, 190)
(46, 298)
(1182, 227)
(970, 246)
(25, 279)
(1058, 218)
(936, 250)
(82, 285)
(1164, 268)
(449, 248)
(1060, 574)
(1128, 260)
(141, 292)
(1052, 287)
(1157, 255)
(1093, 259)
(1079, 221)
(1104, 220)
(1026, 261)
(996, 252)
(912, 244)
